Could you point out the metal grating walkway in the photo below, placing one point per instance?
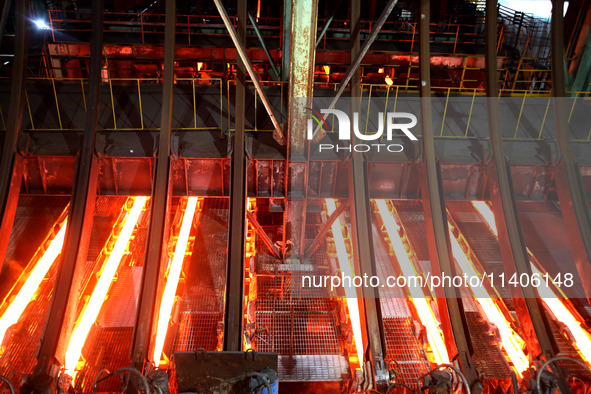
(404, 351)
(304, 325)
(202, 307)
(109, 341)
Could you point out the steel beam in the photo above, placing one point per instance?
(582, 75)
(261, 233)
(329, 21)
(237, 233)
(356, 61)
(530, 312)
(256, 55)
(454, 322)
(364, 258)
(575, 210)
(276, 74)
(278, 133)
(157, 236)
(62, 315)
(326, 227)
(376, 372)
(11, 163)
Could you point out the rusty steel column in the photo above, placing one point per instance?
(450, 305)
(62, 315)
(11, 164)
(304, 18)
(569, 185)
(530, 313)
(237, 232)
(156, 239)
(363, 251)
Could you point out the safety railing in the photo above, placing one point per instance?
(518, 31)
(143, 27)
(260, 123)
(127, 82)
(147, 25)
(393, 93)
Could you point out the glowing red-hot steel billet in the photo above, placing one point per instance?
(549, 296)
(250, 246)
(93, 306)
(29, 288)
(347, 270)
(510, 340)
(172, 279)
(434, 335)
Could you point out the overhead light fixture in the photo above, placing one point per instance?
(41, 25)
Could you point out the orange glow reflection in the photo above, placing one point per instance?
(347, 270)
(29, 288)
(563, 315)
(434, 335)
(94, 304)
(550, 297)
(172, 279)
(510, 340)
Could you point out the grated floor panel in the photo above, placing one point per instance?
(202, 307)
(109, 341)
(482, 241)
(304, 325)
(412, 216)
(299, 331)
(323, 368)
(35, 217)
(488, 357)
(566, 348)
(404, 351)
(105, 348)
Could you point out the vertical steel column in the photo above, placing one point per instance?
(530, 313)
(286, 44)
(363, 252)
(568, 180)
(302, 57)
(11, 164)
(304, 20)
(4, 19)
(62, 315)
(450, 308)
(146, 317)
(237, 231)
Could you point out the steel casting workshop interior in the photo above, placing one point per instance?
(295, 196)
